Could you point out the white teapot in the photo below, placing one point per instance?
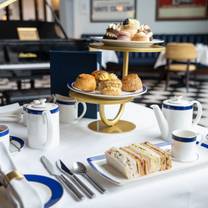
(177, 113)
(42, 124)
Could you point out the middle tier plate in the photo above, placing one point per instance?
(97, 94)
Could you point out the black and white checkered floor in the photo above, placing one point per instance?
(156, 94)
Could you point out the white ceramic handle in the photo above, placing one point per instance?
(50, 129)
(83, 112)
(199, 112)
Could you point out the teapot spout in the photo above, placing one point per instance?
(161, 120)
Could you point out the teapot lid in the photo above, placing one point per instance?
(40, 105)
(178, 101)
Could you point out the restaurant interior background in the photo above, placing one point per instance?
(75, 16)
(94, 113)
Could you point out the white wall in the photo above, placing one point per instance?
(145, 13)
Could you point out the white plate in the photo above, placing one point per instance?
(97, 93)
(134, 44)
(98, 164)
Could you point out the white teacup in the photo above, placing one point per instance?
(69, 110)
(4, 135)
(184, 147)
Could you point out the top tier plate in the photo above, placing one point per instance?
(132, 44)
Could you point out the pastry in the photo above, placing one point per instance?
(141, 36)
(131, 26)
(85, 82)
(147, 30)
(131, 83)
(124, 35)
(112, 76)
(100, 75)
(112, 31)
(110, 87)
(138, 159)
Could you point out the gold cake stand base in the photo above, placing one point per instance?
(120, 127)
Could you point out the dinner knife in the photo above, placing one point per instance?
(63, 168)
(61, 178)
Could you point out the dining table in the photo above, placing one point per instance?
(181, 189)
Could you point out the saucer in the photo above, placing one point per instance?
(195, 158)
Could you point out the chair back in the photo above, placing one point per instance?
(180, 51)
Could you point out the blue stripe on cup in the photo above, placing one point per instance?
(65, 102)
(172, 107)
(184, 139)
(4, 132)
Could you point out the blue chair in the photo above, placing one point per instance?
(66, 66)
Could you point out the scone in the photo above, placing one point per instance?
(131, 83)
(110, 87)
(85, 82)
(100, 75)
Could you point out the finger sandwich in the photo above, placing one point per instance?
(138, 159)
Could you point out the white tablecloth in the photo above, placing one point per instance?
(202, 56)
(182, 190)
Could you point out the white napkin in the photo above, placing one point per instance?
(20, 191)
(161, 60)
(108, 56)
(202, 54)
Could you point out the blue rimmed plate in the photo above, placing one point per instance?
(98, 164)
(53, 187)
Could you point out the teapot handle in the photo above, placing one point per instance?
(50, 129)
(199, 112)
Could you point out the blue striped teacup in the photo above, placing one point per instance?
(184, 145)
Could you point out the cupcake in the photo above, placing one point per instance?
(131, 26)
(124, 35)
(112, 31)
(147, 30)
(141, 36)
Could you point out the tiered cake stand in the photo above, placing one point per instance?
(114, 125)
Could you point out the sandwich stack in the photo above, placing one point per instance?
(138, 159)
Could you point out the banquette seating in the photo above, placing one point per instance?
(146, 61)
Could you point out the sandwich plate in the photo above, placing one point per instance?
(98, 164)
(97, 93)
(133, 44)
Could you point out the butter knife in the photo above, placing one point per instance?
(64, 169)
(61, 178)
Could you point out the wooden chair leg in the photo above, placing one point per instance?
(167, 79)
(187, 81)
